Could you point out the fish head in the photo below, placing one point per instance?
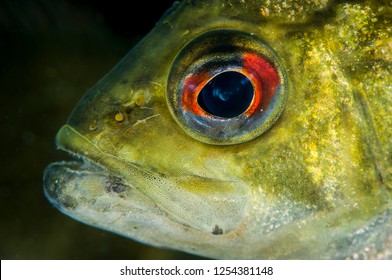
(299, 170)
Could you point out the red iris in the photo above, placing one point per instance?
(261, 73)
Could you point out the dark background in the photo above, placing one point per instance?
(51, 52)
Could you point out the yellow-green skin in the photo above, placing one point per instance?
(316, 185)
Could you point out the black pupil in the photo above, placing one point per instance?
(227, 95)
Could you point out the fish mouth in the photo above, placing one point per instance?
(67, 183)
(216, 206)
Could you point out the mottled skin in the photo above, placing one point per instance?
(316, 185)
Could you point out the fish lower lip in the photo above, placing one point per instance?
(58, 174)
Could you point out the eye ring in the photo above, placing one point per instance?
(208, 61)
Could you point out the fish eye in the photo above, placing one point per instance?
(226, 95)
(226, 87)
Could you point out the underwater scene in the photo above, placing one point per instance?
(195, 129)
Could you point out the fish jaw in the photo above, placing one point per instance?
(100, 200)
(106, 192)
(93, 195)
(103, 190)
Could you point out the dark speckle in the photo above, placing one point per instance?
(128, 110)
(217, 230)
(114, 184)
(68, 202)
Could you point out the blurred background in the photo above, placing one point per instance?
(51, 53)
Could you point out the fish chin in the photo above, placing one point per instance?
(108, 192)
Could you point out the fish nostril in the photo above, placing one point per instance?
(119, 117)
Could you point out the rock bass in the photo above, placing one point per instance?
(241, 130)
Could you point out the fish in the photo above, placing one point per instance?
(240, 129)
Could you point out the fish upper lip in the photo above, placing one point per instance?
(81, 162)
(90, 156)
(78, 147)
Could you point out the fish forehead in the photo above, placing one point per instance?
(329, 152)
